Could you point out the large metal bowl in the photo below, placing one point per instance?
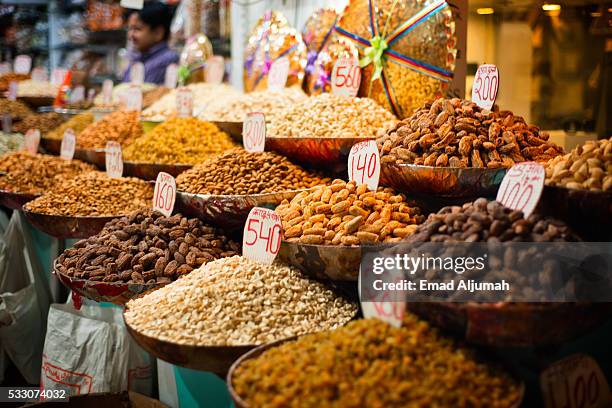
(441, 181)
(51, 146)
(36, 101)
(149, 171)
(63, 226)
(335, 262)
(15, 201)
(97, 157)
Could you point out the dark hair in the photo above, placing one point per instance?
(154, 14)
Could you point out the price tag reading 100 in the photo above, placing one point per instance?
(164, 194)
(364, 164)
(262, 235)
(522, 187)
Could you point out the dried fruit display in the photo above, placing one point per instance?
(317, 31)
(457, 133)
(146, 247)
(319, 80)
(77, 123)
(10, 142)
(122, 126)
(33, 88)
(6, 79)
(45, 122)
(16, 109)
(344, 214)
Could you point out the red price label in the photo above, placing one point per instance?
(346, 77)
(364, 164)
(382, 305)
(68, 145)
(486, 84)
(215, 69)
(133, 96)
(171, 76)
(277, 76)
(184, 102)
(107, 92)
(31, 141)
(262, 235)
(522, 187)
(164, 194)
(12, 91)
(77, 94)
(7, 123)
(137, 73)
(254, 132)
(575, 382)
(58, 75)
(113, 159)
(39, 74)
(23, 64)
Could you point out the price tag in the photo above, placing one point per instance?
(5, 68)
(68, 145)
(7, 123)
(31, 141)
(254, 132)
(277, 77)
(575, 382)
(113, 159)
(12, 91)
(346, 77)
(486, 84)
(91, 95)
(522, 187)
(39, 74)
(171, 76)
(262, 235)
(107, 92)
(77, 94)
(164, 194)
(137, 73)
(133, 98)
(215, 69)
(58, 75)
(364, 164)
(184, 102)
(23, 64)
(133, 4)
(391, 312)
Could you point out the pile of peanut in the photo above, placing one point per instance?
(587, 167)
(344, 214)
(330, 115)
(458, 133)
(120, 126)
(94, 194)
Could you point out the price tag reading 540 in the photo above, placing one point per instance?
(364, 164)
(262, 235)
(164, 194)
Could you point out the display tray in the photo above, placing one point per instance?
(234, 129)
(114, 292)
(256, 352)
(514, 324)
(149, 125)
(51, 146)
(97, 157)
(441, 181)
(62, 226)
(36, 101)
(325, 262)
(320, 152)
(589, 213)
(149, 171)
(227, 211)
(15, 201)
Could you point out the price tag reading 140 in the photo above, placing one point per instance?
(262, 235)
(68, 145)
(364, 164)
(486, 84)
(254, 132)
(113, 159)
(522, 187)
(346, 77)
(164, 194)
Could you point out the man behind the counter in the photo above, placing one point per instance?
(148, 33)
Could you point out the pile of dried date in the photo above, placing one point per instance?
(146, 247)
(458, 133)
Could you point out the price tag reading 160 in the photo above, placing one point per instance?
(262, 235)
(364, 164)
(164, 194)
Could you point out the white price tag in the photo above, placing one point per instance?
(91, 95)
(171, 76)
(107, 91)
(215, 69)
(58, 75)
(381, 306)
(346, 77)
(277, 77)
(486, 84)
(7, 123)
(364, 164)
(254, 132)
(133, 98)
(40, 74)
(113, 159)
(522, 187)
(31, 141)
(68, 145)
(12, 91)
(262, 235)
(77, 94)
(575, 382)
(137, 73)
(133, 4)
(184, 102)
(22, 64)
(5, 68)
(164, 194)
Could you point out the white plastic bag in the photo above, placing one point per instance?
(24, 300)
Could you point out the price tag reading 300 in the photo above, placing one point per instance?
(68, 145)
(164, 194)
(486, 84)
(364, 164)
(262, 235)
(346, 77)
(522, 187)
(254, 132)
(113, 159)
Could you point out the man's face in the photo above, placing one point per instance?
(141, 35)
